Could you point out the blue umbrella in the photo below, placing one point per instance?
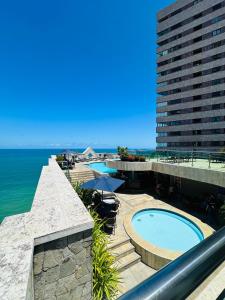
(104, 183)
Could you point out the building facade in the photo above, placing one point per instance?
(191, 76)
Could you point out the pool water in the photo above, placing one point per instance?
(102, 168)
(166, 230)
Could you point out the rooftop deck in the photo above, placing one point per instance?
(197, 163)
(209, 169)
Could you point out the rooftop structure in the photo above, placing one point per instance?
(201, 167)
(191, 72)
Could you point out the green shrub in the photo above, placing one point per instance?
(132, 158)
(142, 158)
(85, 195)
(105, 274)
(60, 158)
(122, 151)
(222, 215)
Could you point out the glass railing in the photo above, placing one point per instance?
(191, 158)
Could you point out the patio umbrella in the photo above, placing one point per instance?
(104, 183)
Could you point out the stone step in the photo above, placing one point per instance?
(82, 174)
(80, 180)
(127, 261)
(123, 250)
(119, 242)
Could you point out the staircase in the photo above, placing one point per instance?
(81, 176)
(124, 253)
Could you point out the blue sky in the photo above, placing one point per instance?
(74, 73)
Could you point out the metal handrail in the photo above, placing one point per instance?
(180, 151)
(182, 276)
(175, 156)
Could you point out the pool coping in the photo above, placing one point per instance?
(152, 255)
(98, 172)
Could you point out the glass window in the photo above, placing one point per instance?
(161, 145)
(216, 32)
(162, 114)
(161, 104)
(163, 83)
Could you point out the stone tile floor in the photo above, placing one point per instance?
(134, 275)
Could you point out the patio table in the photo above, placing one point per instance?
(109, 201)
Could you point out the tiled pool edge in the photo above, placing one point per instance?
(98, 172)
(57, 213)
(151, 255)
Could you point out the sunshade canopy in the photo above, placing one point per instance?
(104, 183)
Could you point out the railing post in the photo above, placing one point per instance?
(192, 159)
(209, 160)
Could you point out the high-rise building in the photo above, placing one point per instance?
(191, 76)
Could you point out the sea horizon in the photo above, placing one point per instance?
(19, 175)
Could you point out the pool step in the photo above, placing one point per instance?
(123, 250)
(124, 253)
(119, 242)
(127, 261)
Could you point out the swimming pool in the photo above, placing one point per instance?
(101, 167)
(162, 234)
(166, 229)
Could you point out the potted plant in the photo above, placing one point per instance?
(122, 152)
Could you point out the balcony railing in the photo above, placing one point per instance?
(192, 158)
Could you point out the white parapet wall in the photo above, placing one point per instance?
(45, 253)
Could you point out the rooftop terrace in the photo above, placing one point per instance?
(207, 167)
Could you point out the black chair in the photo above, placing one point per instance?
(110, 224)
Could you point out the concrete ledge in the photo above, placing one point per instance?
(57, 212)
(129, 166)
(198, 173)
(193, 173)
(152, 255)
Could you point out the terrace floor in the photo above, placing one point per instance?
(198, 164)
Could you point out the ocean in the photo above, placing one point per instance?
(19, 174)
